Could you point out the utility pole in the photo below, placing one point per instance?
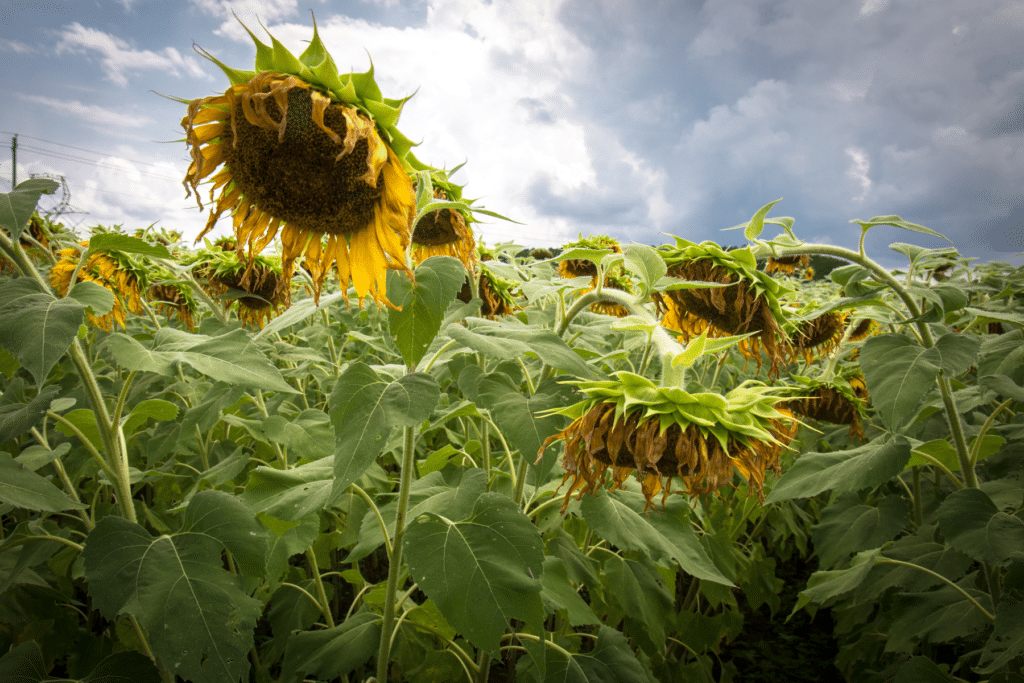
(14, 162)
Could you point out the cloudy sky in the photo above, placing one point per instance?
(593, 116)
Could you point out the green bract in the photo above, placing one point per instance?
(745, 413)
(740, 262)
(316, 67)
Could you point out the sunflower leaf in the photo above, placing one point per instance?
(199, 618)
(481, 572)
(665, 536)
(126, 244)
(331, 653)
(423, 305)
(897, 222)
(899, 372)
(36, 327)
(972, 524)
(16, 207)
(23, 488)
(361, 424)
(852, 470)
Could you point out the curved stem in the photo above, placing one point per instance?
(887, 560)
(376, 511)
(935, 461)
(976, 451)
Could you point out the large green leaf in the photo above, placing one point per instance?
(36, 327)
(232, 358)
(519, 416)
(97, 298)
(644, 262)
(481, 572)
(611, 661)
(920, 550)
(26, 489)
(24, 664)
(937, 616)
(452, 495)
(665, 536)
(972, 524)
(132, 355)
(111, 241)
(557, 592)
(846, 530)
(294, 493)
(199, 618)
(637, 588)
(1007, 640)
(308, 435)
(438, 280)
(899, 372)
(16, 206)
(364, 407)
(18, 418)
(331, 653)
(546, 344)
(864, 467)
(824, 587)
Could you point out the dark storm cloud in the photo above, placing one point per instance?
(848, 110)
(602, 208)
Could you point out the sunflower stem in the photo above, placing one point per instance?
(395, 565)
(318, 583)
(923, 331)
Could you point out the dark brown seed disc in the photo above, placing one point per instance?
(298, 180)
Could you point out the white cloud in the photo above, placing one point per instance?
(858, 171)
(490, 91)
(90, 114)
(870, 7)
(118, 56)
(16, 47)
(252, 12)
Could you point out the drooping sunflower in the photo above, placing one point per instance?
(750, 302)
(787, 264)
(173, 298)
(255, 289)
(819, 336)
(444, 232)
(496, 293)
(112, 270)
(843, 400)
(584, 267)
(313, 155)
(630, 424)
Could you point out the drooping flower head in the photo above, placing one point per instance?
(588, 251)
(296, 148)
(496, 293)
(630, 424)
(750, 302)
(113, 270)
(819, 336)
(174, 298)
(255, 289)
(444, 231)
(787, 264)
(842, 400)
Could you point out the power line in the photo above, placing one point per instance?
(90, 162)
(80, 149)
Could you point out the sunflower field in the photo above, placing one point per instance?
(349, 443)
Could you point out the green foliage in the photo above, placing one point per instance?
(236, 503)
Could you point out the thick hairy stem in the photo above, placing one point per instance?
(395, 565)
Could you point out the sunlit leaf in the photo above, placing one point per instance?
(423, 305)
(864, 467)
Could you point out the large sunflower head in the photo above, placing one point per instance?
(749, 304)
(112, 270)
(296, 148)
(630, 424)
(819, 336)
